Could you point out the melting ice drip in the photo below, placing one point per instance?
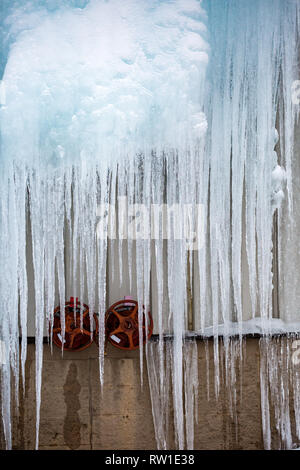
(107, 99)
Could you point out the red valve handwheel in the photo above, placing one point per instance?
(77, 338)
(122, 325)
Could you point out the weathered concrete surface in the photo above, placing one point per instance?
(75, 415)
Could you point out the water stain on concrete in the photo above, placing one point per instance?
(72, 425)
(24, 394)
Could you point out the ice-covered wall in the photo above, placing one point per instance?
(96, 83)
(170, 102)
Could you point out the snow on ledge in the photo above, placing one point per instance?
(254, 326)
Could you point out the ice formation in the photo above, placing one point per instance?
(171, 102)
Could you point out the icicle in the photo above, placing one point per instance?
(159, 383)
(279, 373)
(191, 390)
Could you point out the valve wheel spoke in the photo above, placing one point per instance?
(77, 323)
(122, 321)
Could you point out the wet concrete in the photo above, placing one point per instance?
(75, 415)
(72, 424)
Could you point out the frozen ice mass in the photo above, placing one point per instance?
(175, 102)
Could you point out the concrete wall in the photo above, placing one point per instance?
(74, 415)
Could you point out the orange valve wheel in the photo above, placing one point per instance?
(122, 325)
(77, 336)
